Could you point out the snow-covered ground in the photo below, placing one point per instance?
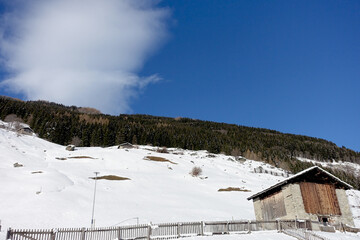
(273, 235)
(265, 235)
(339, 236)
(52, 188)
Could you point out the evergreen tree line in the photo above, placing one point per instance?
(66, 125)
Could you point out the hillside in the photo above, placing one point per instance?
(46, 186)
(65, 125)
(40, 175)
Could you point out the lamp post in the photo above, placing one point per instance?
(93, 208)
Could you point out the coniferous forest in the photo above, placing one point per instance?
(87, 127)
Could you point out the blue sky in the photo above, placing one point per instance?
(291, 66)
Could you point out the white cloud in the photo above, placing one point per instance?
(81, 52)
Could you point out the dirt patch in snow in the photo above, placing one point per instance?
(111, 177)
(82, 157)
(234, 189)
(74, 157)
(158, 159)
(18, 164)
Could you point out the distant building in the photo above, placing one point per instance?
(70, 148)
(312, 194)
(126, 145)
(25, 130)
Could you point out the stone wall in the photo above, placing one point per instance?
(258, 209)
(293, 202)
(346, 215)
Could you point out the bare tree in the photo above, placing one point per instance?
(76, 141)
(14, 121)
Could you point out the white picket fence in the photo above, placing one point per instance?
(303, 234)
(152, 231)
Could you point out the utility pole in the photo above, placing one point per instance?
(93, 208)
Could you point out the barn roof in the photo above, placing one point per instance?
(125, 144)
(313, 174)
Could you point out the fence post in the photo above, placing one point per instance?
(342, 227)
(149, 232)
(227, 228)
(119, 233)
(249, 226)
(178, 230)
(83, 233)
(280, 226)
(53, 233)
(8, 235)
(202, 227)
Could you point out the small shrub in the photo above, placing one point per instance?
(196, 171)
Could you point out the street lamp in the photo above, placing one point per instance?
(93, 208)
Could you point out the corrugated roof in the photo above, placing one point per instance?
(292, 178)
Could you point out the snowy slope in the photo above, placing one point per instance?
(53, 190)
(273, 235)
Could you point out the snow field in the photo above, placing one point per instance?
(50, 193)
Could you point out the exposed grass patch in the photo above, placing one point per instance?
(82, 157)
(18, 164)
(234, 189)
(36, 172)
(111, 177)
(74, 157)
(158, 159)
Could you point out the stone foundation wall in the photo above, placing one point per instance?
(346, 215)
(258, 209)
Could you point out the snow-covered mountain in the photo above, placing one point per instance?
(45, 186)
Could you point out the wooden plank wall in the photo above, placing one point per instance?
(273, 206)
(320, 198)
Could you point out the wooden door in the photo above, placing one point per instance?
(320, 199)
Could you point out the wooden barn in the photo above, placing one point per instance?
(313, 194)
(25, 130)
(126, 145)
